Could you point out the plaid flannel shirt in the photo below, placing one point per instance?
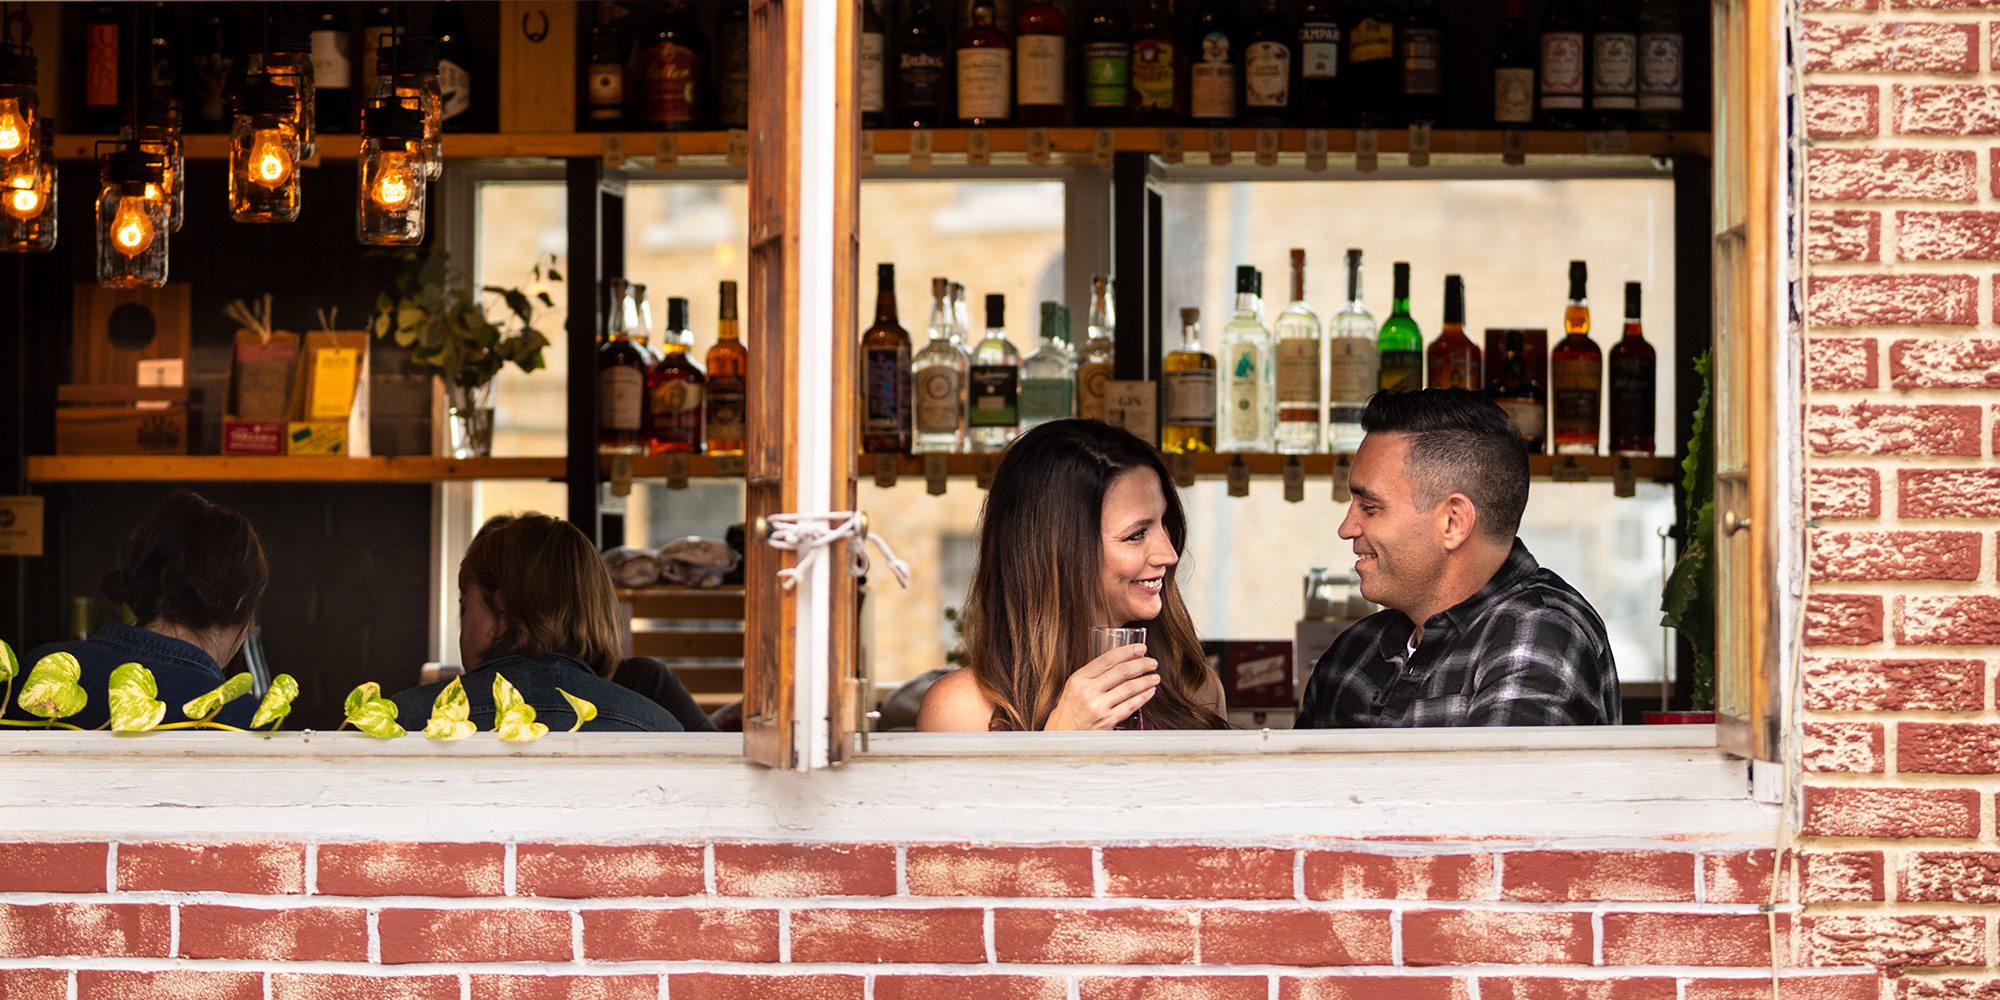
(1526, 650)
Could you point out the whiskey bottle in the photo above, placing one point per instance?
(1453, 357)
(1520, 394)
(1096, 362)
(938, 376)
(1040, 71)
(728, 402)
(1353, 365)
(1107, 63)
(673, 71)
(1561, 79)
(1401, 341)
(985, 70)
(994, 396)
(1248, 409)
(1156, 64)
(1614, 67)
(1188, 382)
(1634, 376)
(1299, 400)
(1048, 373)
(621, 377)
(1212, 64)
(885, 373)
(1514, 70)
(604, 76)
(923, 67)
(674, 388)
(1576, 369)
(1420, 47)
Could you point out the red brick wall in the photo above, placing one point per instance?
(1898, 858)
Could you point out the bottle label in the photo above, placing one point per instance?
(1107, 74)
(1319, 50)
(333, 69)
(1153, 74)
(888, 404)
(995, 392)
(871, 73)
(1093, 387)
(1038, 79)
(1267, 75)
(1614, 72)
(1514, 95)
(727, 405)
(982, 83)
(1576, 382)
(607, 90)
(1456, 371)
(922, 75)
(1562, 70)
(673, 73)
(455, 87)
(100, 84)
(1402, 371)
(1529, 416)
(621, 394)
(1660, 70)
(1372, 41)
(938, 401)
(1046, 398)
(1244, 421)
(1212, 79)
(1423, 61)
(1298, 370)
(677, 408)
(1352, 369)
(1191, 398)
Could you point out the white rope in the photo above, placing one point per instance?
(809, 534)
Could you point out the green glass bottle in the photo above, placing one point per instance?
(1401, 343)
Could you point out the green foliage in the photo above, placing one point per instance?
(205, 707)
(135, 700)
(1688, 602)
(9, 663)
(446, 326)
(585, 711)
(371, 713)
(277, 703)
(451, 715)
(51, 691)
(513, 717)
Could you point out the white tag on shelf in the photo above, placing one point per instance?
(667, 152)
(1341, 494)
(921, 142)
(937, 469)
(1316, 149)
(868, 150)
(1420, 144)
(621, 475)
(1606, 142)
(730, 466)
(983, 475)
(1180, 465)
(886, 468)
(1171, 148)
(738, 153)
(614, 150)
(677, 471)
(1267, 147)
(1239, 477)
(1569, 471)
(1103, 143)
(1624, 479)
(1367, 147)
(1038, 145)
(1514, 146)
(1295, 480)
(978, 148)
(1219, 153)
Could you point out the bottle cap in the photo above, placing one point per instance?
(1631, 298)
(940, 287)
(677, 313)
(1579, 273)
(1298, 257)
(1246, 280)
(1190, 315)
(996, 310)
(885, 276)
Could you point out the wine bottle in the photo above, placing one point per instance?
(885, 372)
(874, 97)
(466, 94)
(727, 403)
(1561, 73)
(985, 70)
(1614, 66)
(1519, 393)
(1576, 369)
(672, 70)
(1212, 64)
(1156, 69)
(994, 397)
(1267, 67)
(1401, 341)
(1420, 46)
(674, 389)
(922, 67)
(1041, 40)
(1318, 56)
(1107, 64)
(1634, 381)
(1453, 359)
(333, 68)
(1662, 64)
(1514, 70)
(1374, 75)
(1298, 332)
(1188, 376)
(1353, 365)
(732, 65)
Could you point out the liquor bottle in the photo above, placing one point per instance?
(213, 72)
(1401, 342)
(885, 372)
(1576, 371)
(1614, 66)
(1188, 376)
(1212, 63)
(1420, 46)
(1374, 82)
(1096, 363)
(1298, 380)
(994, 386)
(377, 24)
(1316, 99)
(1267, 67)
(1520, 394)
(732, 65)
(1662, 64)
(104, 70)
(674, 389)
(1514, 70)
(333, 68)
(1249, 411)
(621, 377)
(922, 67)
(938, 377)
(467, 93)
(671, 74)
(1560, 76)
(1040, 74)
(1634, 380)
(961, 319)
(1353, 365)
(604, 76)
(1048, 373)
(728, 396)
(163, 45)
(985, 69)
(1107, 64)
(642, 330)
(1156, 64)
(1453, 357)
(874, 97)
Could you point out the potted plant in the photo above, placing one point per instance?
(446, 327)
(1689, 598)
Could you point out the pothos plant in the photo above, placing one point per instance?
(53, 691)
(445, 325)
(1689, 598)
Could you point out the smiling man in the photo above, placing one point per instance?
(1476, 632)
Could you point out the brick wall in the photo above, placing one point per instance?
(1898, 863)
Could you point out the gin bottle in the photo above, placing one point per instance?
(938, 375)
(1248, 412)
(1298, 380)
(1095, 363)
(1353, 365)
(994, 404)
(1048, 373)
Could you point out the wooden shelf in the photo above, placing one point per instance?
(1655, 469)
(282, 468)
(640, 147)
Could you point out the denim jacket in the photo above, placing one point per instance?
(537, 678)
(180, 669)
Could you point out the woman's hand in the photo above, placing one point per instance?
(1107, 690)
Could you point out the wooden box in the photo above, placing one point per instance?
(129, 351)
(538, 51)
(120, 420)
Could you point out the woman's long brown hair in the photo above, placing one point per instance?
(549, 587)
(1037, 585)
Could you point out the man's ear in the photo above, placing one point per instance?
(1461, 520)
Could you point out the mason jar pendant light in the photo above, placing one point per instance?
(132, 219)
(20, 107)
(28, 198)
(408, 73)
(264, 154)
(289, 62)
(159, 132)
(394, 178)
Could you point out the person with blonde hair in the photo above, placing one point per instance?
(1082, 527)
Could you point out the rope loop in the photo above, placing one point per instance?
(809, 534)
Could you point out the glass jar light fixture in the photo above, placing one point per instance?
(28, 198)
(409, 74)
(20, 107)
(264, 154)
(132, 219)
(159, 132)
(289, 62)
(394, 179)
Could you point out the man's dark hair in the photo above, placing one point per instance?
(1460, 442)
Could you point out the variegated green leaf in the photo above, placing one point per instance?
(9, 665)
(135, 703)
(585, 711)
(451, 715)
(513, 717)
(51, 691)
(362, 695)
(212, 702)
(277, 703)
(378, 719)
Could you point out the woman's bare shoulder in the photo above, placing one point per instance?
(955, 704)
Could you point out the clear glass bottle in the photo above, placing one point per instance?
(961, 320)
(264, 155)
(1401, 340)
(1576, 373)
(994, 393)
(885, 372)
(1048, 373)
(1187, 423)
(621, 376)
(390, 210)
(674, 389)
(1298, 381)
(1353, 366)
(1096, 363)
(938, 376)
(726, 399)
(1248, 410)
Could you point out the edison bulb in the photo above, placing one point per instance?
(24, 203)
(132, 226)
(15, 129)
(394, 182)
(270, 162)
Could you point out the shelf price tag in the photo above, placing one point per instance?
(1171, 148)
(886, 468)
(677, 472)
(739, 148)
(1624, 479)
(921, 142)
(614, 150)
(667, 152)
(1514, 146)
(1295, 480)
(937, 468)
(1367, 148)
(1420, 144)
(1341, 494)
(978, 148)
(1239, 477)
(621, 475)
(1316, 149)
(983, 475)
(1267, 147)
(729, 466)
(1569, 471)
(1180, 465)
(1606, 142)
(1219, 153)
(1102, 144)
(1038, 145)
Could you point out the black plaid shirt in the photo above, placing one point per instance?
(1526, 650)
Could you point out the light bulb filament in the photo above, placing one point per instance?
(24, 203)
(392, 189)
(270, 164)
(10, 135)
(132, 227)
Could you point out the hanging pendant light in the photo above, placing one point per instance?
(133, 219)
(394, 178)
(289, 62)
(159, 132)
(28, 199)
(408, 72)
(264, 154)
(20, 107)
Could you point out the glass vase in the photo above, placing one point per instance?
(469, 415)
